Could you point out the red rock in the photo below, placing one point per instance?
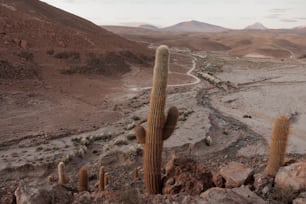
(230, 196)
(185, 175)
(23, 44)
(235, 174)
(218, 180)
(292, 177)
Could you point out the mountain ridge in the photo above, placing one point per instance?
(194, 26)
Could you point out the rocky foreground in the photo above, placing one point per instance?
(184, 181)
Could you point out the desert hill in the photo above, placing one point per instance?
(53, 65)
(194, 26)
(43, 25)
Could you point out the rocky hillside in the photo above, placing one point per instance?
(34, 28)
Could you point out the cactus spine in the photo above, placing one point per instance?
(159, 127)
(101, 178)
(61, 173)
(278, 145)
(83, 180)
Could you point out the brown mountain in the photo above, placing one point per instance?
(43, 25)
(194, 26)
(34, 25)
(57, 70)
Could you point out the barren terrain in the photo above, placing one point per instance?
(79, 103)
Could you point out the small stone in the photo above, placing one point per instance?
(23, 44)
(261, 180)
(208, 140)
(218, 180)
(266, 189)
(235, 174)
(170, 181)
(130, 126)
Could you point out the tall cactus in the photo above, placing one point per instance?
(278, 145)
(159, 127)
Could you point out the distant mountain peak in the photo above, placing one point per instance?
(256, 26)
(194, 26)
(148, 26)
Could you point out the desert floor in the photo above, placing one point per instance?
(77, 129)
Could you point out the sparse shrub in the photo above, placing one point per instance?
(131, 137)
(28, 56)
(68, 55)
(50, 52)
(82, 151)
(133, 152)
(120, 142)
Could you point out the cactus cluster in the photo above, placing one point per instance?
(159, 126)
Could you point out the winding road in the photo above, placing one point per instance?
(189, 73)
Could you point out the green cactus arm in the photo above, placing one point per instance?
(171, 121)
(140, 133)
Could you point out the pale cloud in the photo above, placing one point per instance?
(273, 16)
(289, 20)
(279, 10)
(227, 13)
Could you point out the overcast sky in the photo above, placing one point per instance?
(226, 13)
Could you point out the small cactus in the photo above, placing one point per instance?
(83, 180)
(278, 145)
(62, 179)
(159, 127)
(136, 173)
(101, 179)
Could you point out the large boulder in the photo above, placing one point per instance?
(44, 194)
(186, 175)
(230, 196)
(236, 174)
(292, 177)
(29, 195)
